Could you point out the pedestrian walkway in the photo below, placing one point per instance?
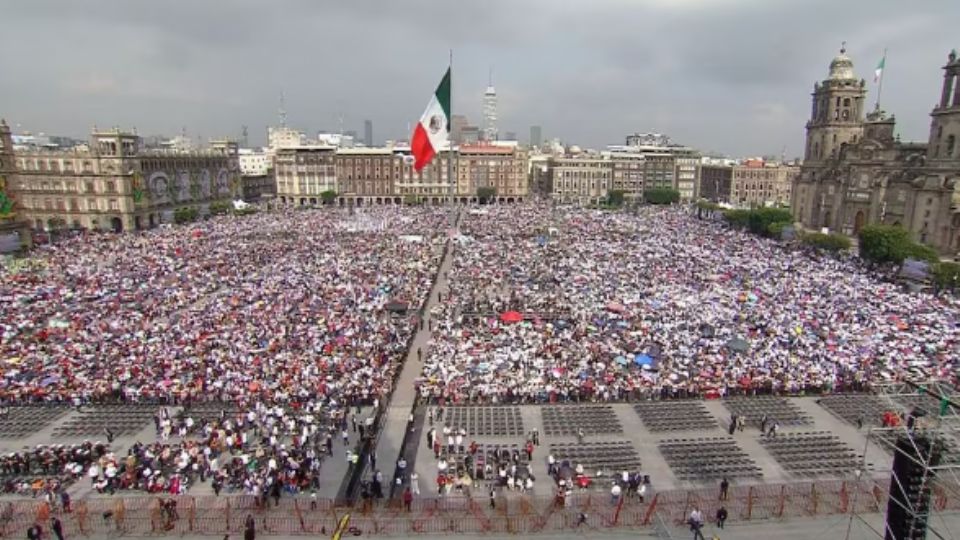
(404, 395)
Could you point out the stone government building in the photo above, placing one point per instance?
(856, 171)
(116, 184)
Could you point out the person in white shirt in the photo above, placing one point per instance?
(696, 523)
(615, 493)
(415, 483)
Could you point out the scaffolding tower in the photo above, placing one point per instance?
(927, 433)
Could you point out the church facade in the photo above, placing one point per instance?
(857, 172)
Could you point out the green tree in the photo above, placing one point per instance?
(946, 275)
(185, 214)
(828, 242)
(661, 196)
(219, 208)
(891, 244)
(411, 200)
(922, 252)
(615, 197)
(486, 194)
(737, 218)
(329, 197)
(706, 208)
(760, 220)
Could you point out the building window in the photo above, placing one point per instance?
(951, 142)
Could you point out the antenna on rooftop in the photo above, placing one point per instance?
(283, 111)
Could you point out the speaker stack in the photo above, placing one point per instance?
(908, 508)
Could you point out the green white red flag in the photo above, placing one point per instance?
(433, 131)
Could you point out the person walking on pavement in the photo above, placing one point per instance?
(724, 488)
(407, 498)
(696, 524)
(249, 528)
(721, 516)
(57, 527)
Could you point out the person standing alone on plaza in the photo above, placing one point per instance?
(696, 524)
(249, 528)
(721, 516)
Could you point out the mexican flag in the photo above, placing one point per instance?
(877, 73)
(434, 128)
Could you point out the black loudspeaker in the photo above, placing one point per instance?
(909, 505)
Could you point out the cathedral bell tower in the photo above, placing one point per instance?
(944, 143)
(837, 114)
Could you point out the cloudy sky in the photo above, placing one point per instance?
(725, 75)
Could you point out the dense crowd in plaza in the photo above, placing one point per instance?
(296, 320)
(557, 304)
(289, 318)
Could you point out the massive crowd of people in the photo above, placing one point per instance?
(556, 304)
(290, 318)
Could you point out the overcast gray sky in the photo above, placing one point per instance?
(726, 75)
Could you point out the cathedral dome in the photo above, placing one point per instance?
(841, 68)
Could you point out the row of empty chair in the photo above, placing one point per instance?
(611, 457)
(813, 454)
(849, 407)
(21, 421)
(674, 415)
(775, 408)
(209, 409)
(490, 421)
(93, 420)
(562, 420)
(930, 404)
(707, 459)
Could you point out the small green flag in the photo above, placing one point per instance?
(878, 73)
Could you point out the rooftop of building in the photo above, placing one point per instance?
(366, 151)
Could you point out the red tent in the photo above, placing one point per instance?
(511, 316)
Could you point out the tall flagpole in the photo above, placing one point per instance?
(450, 177)
(883, 71)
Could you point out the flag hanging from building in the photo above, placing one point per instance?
(433, 130)
(878, 73)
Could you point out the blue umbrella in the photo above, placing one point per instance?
(642, 360)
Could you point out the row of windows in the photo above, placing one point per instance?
(54, 165)
(72, 204)
(109, 186)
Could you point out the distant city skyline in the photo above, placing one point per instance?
(727, 75)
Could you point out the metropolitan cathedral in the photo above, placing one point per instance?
(856, 171)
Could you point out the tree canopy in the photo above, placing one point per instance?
(892, 244)
(661, 196)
